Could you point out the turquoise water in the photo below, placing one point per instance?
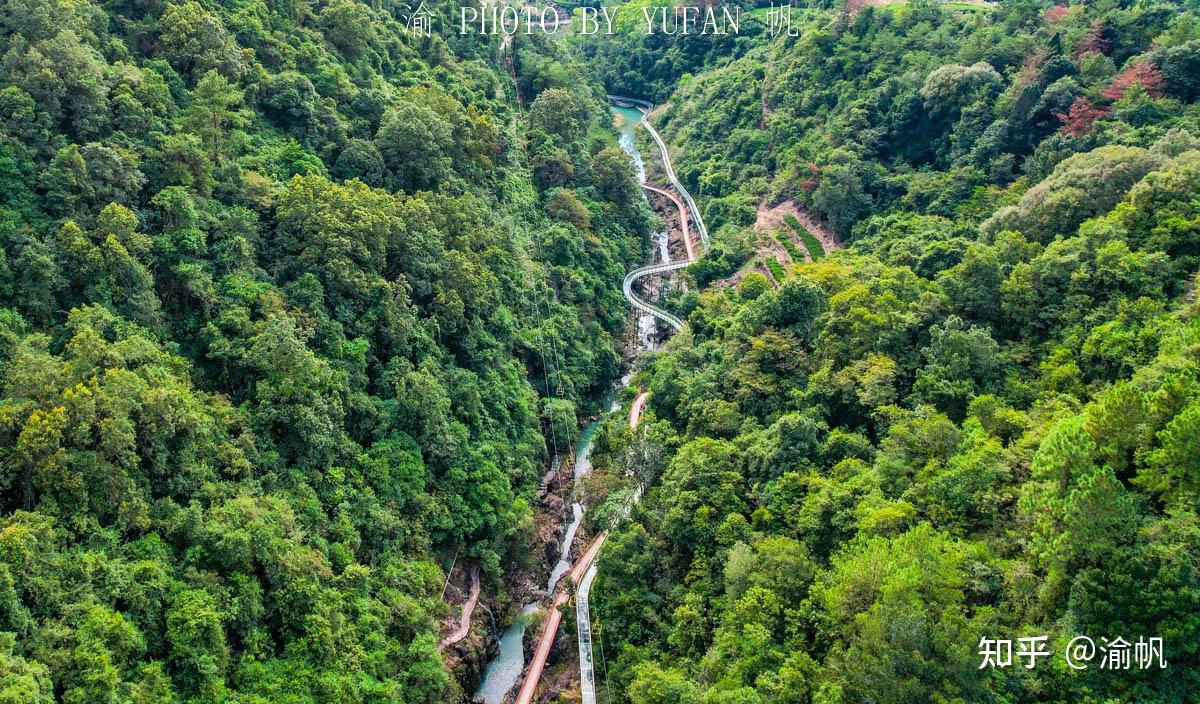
(503, 672)
(627, 141)
(645, 323)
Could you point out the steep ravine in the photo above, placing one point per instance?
(504, 669)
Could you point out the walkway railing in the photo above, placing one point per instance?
(646, 107)
(583, 619)
(553, 618)
(646, 306)
(627, 287)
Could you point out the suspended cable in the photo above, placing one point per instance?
(554, 339)
(531, 290)
(560, 389)
(533, 303)
(563, 376)
(603, 662)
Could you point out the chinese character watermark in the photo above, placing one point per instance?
(1112, 653)
(1033, 647)
(779, 21)
(420, 22)
(995, 652)
(1147, 651)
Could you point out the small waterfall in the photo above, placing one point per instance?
(492, 617)
(564, 559)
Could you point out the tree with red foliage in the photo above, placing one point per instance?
(1079, 118)
(1142, 72)
(1094, 41)
(808, 184)
(1056, 14)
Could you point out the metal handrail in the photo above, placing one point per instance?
(646, 306)
(583, 619)
(662, 148)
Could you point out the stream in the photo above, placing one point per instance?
(504, 671)
(631, 117)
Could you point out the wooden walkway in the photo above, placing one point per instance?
(464, 621)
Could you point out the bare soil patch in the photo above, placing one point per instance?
(769, 220)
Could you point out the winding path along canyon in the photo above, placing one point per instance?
(496, 688)
(583, 571)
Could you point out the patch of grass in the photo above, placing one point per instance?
(812, 244)
(815, 250)
(777, 269)
(790, 246)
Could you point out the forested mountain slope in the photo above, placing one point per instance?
(919, 109)
(290, 299)
(979, 420)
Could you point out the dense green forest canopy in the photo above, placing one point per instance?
(979, 419)
(294, 305)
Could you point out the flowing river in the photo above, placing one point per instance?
(504, 671)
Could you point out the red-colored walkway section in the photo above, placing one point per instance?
(683, 219)
(635, 410)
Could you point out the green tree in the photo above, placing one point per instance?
(361, 159)
(24, 682)
(959, 363)
(1080, 187)
(415, 144)
(348, 26)
(559, 114)
(196, 41)
(613, 174)
(197, 639)
(214, 114)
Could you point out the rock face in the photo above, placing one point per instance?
(552, 548)
(467, 659)
(549, 527)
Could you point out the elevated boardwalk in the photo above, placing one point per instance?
(691, 209)
(583, 572)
